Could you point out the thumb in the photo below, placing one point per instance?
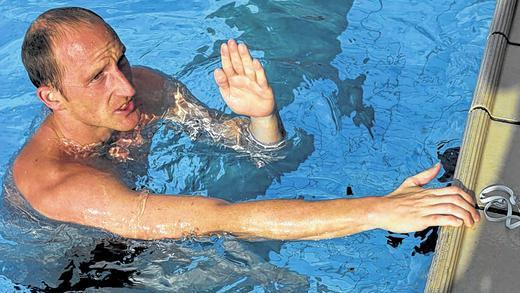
(422, 178)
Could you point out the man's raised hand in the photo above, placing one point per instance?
(242, 82)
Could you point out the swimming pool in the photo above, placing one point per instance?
(369, 93)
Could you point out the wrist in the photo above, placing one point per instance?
(266, 130)
(376, 215)
(264, 119)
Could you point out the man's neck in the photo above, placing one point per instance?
(78, 132)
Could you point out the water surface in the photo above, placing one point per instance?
(370, 92)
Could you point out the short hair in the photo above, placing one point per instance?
(38, 55)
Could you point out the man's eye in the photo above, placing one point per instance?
(98, 76)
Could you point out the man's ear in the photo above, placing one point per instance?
(51, 97)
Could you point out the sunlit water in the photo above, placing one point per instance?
(370, 92)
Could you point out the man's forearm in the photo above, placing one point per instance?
(299, 219)
(179, 216)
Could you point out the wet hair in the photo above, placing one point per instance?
(37, 49)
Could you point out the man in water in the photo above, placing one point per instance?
(77, 62)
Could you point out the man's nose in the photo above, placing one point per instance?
(123, 85)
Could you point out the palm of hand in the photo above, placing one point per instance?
(246, 97)
(242, 82)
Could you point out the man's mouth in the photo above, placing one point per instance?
(126, 107)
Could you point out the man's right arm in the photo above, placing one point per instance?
(91, 197)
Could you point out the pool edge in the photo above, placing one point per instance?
(450, 242)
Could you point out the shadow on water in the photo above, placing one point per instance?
(177, 165)
(299, 40)
(84, 271)
(176, 266)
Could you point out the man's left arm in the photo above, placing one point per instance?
(244, 87)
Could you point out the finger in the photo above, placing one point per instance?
(422, 178)
(226, 60)
(222, 82)
(461, 202)
(247, 62)
(454, 190)
(221, 78)
(443, 220)
(261, 79)
(236, 61)
(454, 210)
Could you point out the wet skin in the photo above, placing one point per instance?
(101, 94)
(97, 92)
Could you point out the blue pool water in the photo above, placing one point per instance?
(370, 92)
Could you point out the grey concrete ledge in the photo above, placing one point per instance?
(444, 264)
(503, 17)
(504, 104)
(514, 33)
(490, 72)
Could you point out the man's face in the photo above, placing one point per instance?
(96, 79)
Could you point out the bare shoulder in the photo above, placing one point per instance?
(36, 165)
(146, 78)
(151, 89)
(55, 185)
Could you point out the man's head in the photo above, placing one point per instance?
(77, 62)
(38, 45)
